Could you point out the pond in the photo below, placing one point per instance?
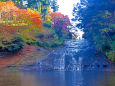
(58, 78)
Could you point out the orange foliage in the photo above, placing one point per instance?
(32, 18)
(55, 16)
(60, 22)
(1, 4)
(8, 29)
(21, 14)
(12, 19)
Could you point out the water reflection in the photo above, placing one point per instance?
(58, 78)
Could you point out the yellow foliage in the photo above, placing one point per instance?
(18, 21)
(34, 11)
(48, 17)
(27, 34)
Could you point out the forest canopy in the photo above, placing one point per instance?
(97, 19)
(31, 23)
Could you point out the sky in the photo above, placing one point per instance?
(66, 6)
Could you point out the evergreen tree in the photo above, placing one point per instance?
(97, 19)
(54, 5)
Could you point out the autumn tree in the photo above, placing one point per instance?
(17, 22)
(60, 23)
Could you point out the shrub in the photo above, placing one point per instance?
(15, 43)
(51, 44)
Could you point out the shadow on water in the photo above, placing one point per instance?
(58, 78)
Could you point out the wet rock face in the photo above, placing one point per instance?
(75, 55)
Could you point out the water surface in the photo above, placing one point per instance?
(58, 78)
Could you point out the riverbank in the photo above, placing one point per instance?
(29, 55)
(77, 53)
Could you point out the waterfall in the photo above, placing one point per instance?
(75, 55)
(80, 63)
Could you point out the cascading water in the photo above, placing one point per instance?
(75, 55)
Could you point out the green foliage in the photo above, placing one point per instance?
(113, 25)
(30, 41)
(46, 25)
(97, 18)
(15, 44)
(113, 45)
(54, 5)
(56, 37)
(51, 44)
(111, 55)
